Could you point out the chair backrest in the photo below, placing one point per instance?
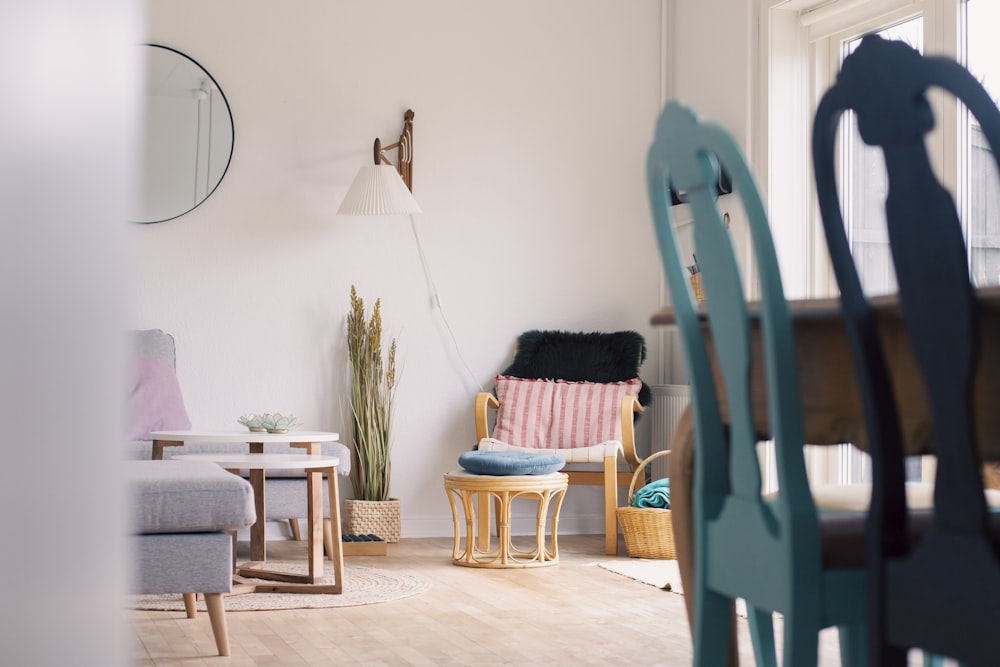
(744, 546)
(884, 82)
(575, 356)
(154, 343)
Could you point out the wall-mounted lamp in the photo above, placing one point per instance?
(380, 188)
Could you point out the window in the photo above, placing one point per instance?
(820, 35)
(981, 189)
(863, 181)
(802, 43)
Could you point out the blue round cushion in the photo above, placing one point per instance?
(510, 463)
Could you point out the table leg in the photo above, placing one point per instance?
(313, 581)
(314, 490)
(233, 533)
(258, 536)
(337, 555)
(158, 445)
(336, 543)
(312, 448)
(681, 471)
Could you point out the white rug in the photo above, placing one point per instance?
(362, 585)
(656, 572)
(653, 571)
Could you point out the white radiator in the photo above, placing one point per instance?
(669, 402)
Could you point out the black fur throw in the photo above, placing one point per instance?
(576, 357)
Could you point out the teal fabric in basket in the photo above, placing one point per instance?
(655, 494)
(510, 463)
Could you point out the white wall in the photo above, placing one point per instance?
(714, 61)
(531, 128)
(713, 71)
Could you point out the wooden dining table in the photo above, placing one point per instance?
(831, 405)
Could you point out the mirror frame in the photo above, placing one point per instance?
(232, 135)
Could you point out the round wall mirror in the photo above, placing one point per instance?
(187, 139)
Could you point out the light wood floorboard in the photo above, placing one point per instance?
(573, 613)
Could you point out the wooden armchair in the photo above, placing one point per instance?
(553, 371)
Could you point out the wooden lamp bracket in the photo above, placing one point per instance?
(405, 150)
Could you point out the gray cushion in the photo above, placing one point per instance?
(187, 497)
(510, 463)
(285, 498)
(155, 343)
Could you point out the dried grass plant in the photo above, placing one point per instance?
(373, 384)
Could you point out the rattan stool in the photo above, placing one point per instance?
(464, 487)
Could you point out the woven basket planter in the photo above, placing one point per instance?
(372, 517)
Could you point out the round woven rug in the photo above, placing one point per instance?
(362, 585)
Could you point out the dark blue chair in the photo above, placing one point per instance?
(934, 580)
(768, 551)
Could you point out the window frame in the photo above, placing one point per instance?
(798, 57)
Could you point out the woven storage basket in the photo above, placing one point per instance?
(648, 531)
(375, 517)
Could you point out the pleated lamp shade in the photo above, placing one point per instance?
(378, 190)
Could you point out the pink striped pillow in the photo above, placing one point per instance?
(555, 414)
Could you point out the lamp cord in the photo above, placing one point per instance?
(436, 301)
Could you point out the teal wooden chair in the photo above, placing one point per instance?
(957, 547)
(768, 551)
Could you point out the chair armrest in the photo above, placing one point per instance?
(484, 401)
(630, 405)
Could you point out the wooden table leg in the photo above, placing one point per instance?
(337, 555)
(334, 542)
(313, 582)
(258, 535)
(158, 445)
(234, 533)
(314, 490)
(681, 471)
(312, 448)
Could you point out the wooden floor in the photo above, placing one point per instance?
(573, 613)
